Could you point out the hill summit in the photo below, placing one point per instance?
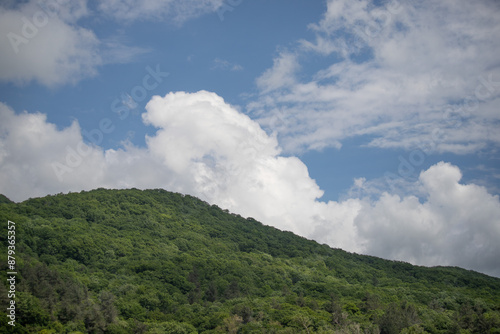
(152, 261)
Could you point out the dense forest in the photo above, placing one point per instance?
(131, 261)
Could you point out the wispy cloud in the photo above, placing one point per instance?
(116, 51)
(225, 65)
(174, 11)
(281, 75)
(399, 73)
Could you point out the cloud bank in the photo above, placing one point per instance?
(397, 73)
(205, 147)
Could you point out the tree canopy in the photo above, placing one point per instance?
(153, 261)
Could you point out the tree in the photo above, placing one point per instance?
(397, 317)
(303, 321)
(338, 317)
(108, 308)
(232, 324)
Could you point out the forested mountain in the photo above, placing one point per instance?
(131, 261)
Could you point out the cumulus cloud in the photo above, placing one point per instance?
(205, 147)
(455, 224)
(29, 146)
(398, 73)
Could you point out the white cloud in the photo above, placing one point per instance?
(398, 73)
(281, 75)
(29, 147)
(178, 11)
(205, 147)
(226, 158)
(455, 224)
(41, 43)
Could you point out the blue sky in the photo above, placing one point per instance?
(371, 126)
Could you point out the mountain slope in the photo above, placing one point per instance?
(4, 199)
(131, 261)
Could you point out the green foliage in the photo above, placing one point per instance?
(398, 317)
(4, 199)
(131, 261)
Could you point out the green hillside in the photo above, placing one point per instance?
(4, 199)
(131, 261)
